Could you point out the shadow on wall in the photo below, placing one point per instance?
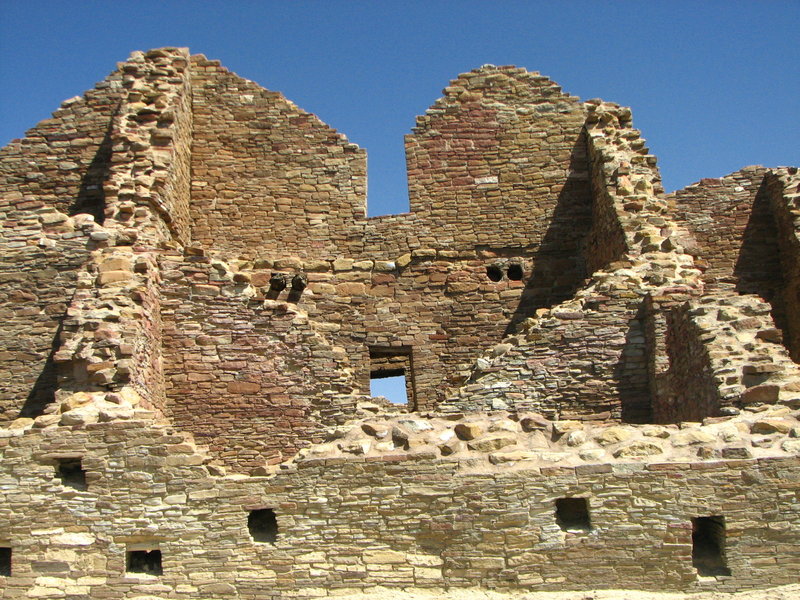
(632, 372)
(91, 197)
(559, 264)
(758, 268)
(43, 391)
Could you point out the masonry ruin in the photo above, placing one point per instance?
(602, 378)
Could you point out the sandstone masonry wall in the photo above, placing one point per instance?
(266, 176)
(732, 222)
(57, 170)
(193, 288)
(43, 252)
(349, 524)
(783, 187)
(250, 378)
(500, 161)
(64, 160)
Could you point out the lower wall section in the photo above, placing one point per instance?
(358, 523)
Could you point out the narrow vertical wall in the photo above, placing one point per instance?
(695, 391)
(783, 190)
(56, 171)
(111, 337)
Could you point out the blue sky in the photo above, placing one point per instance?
(714, 86)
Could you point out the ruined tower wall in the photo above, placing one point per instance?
(724, 352)
(782, 188)
(112, 331)
(119, 154)
(251, 379)
(57, 170)
(268, 178)
(500, 162)
(234, 321)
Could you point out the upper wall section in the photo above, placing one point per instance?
(64, 160)
(731, 220)
(500, 161)
(268, 178)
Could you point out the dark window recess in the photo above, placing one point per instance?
(494, 273)
(144, 561)
(572, 514)
(515, 272)
(71, 473)
(708, 546)
(263, 525)
(5, 562)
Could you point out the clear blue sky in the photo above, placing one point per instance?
(714, 85)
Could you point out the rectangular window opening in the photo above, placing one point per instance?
(391, 387)
(391, 375)
(263, 525)
(144, 561)
(572, 514)
(5, 562)
(708, 546)
(71, 473)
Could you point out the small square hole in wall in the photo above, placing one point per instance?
(573, 514)
(144, 561)
(708, 546)
(515, 272)
(5, 562)
(263, 525)
(494, 273)
(71, 473)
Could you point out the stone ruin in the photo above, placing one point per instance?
(602, 379)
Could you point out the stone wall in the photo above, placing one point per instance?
(500, 161)
(266, 176)
(724, 353)
(782, 187)
(251, 378)
(64, 160)
(147, 189)
(353, 523)
(43, 252)
(695, 390)
(192, 287)
(57, 170)
(594, 355)
(744, 225)
(732, 222)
